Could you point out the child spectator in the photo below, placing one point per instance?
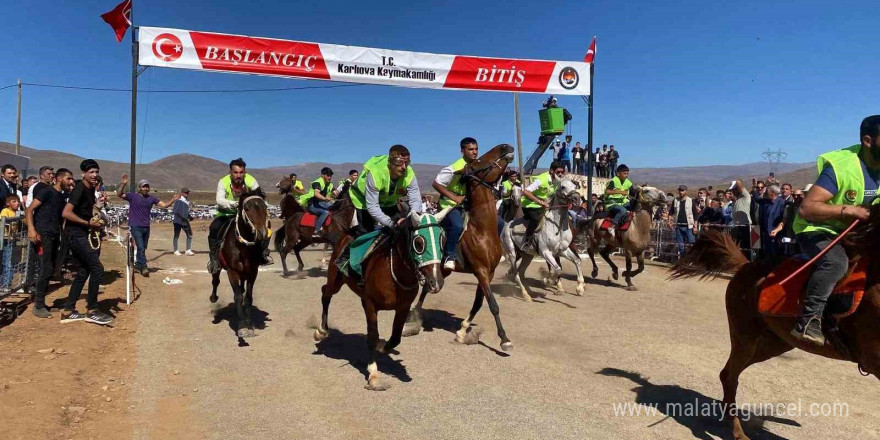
(9, 233)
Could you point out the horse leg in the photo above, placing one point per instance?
(238, 295)
(483, 284)
(521, 274)
(334, 284)
(249, 302)
(414, 319)
(592, 253)
(296, 249)
(400, 318)
(373, 345)
(215, 281)
(627, 274)
(576, 259)
(283, 250)
(325, 259)
(555, 271)
(606, 255)
(462, 332)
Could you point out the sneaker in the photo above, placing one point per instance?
(449, 263)
(99, 317)
(41, 312)
(177, 253)
(810, 333)
(189, 252)
(71, 316)
(144, 271)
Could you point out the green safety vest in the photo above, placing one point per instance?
(850, 188)
(617, 199)
(230, 195)
(377, 166)
(455, 184)
(304, 199)
(507, 190)
(543, 192)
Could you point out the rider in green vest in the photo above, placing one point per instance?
(344, 184)
(510, 181)
(383, 181)
(536, 195)
(616, 197)
(229, 188)
(452, 191)
(320, 198)
(846, 186)
(296, 186)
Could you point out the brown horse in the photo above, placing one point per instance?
(293, 236)
(755, 337)
(240, 254)
(479, 245)
(634, 241)
(392, 274)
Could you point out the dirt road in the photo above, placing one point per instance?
(577, 362)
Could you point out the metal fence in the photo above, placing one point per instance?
(17, 265)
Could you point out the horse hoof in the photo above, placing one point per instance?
(595, 273)
(580, 290)
(213, 298)
(615, 275)
(546, 281)
(632, 288)
(320, 335)
(245, 333)
(526, 296)
(411, 329)
(507, 346)
(374, 384)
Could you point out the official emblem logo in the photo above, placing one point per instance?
(850, 196)
(167, 47)
(568, 78)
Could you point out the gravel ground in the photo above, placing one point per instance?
(575, 358)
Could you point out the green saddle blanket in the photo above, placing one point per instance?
(360, 249)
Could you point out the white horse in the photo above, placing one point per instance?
(550, 242)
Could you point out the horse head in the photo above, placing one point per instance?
(426, 241)
(649, 195)
(566, 193)
(487, 169)
(254, 211)
(285, 185)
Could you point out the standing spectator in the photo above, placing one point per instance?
(15, 183)
(181, 218)
(47, 179)
(25, 191)
(594, 162)
(771, 179)
(564, 156)
(758, 192)
(594, 201)
(613, 157)
(43, 218)
(683, 214)
(742, 219)
(9, 233)
(785, 230)
(80, 222)
(577, 155)
(139, 205)
(7, 186)
(786, 193)
(603, 161)
(727, 210)
(712, 215)
(771, 209)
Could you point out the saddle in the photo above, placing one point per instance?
(308, 220)
(608, 222)
(786, 302)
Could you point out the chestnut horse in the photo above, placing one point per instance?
(479, 245)
(240, 254)
(755, 337)
(392, 275)
(293, 236)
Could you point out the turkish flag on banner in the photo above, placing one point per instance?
(591, 52)
(119, 18)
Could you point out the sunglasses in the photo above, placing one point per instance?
(398, 161)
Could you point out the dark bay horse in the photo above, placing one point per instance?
(240, 254)
(292, 236)
(755, 337)
(479, 245)
(392, 275)
(634, 241)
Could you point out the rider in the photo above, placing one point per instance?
(536, 195)
(296, 186)
(452, 192)
(320, 198)
(616, 198)
(847, 183)
(384, 180)
(510, 181)
(345, 183)
(229, 188)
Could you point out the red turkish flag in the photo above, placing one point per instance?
(119, 18)
(591, 52)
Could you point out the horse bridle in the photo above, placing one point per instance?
(420, 279)
(473, 174)
(247, 220)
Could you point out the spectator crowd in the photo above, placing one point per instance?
(577, 159)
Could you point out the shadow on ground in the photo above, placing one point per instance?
(352, 348)
(673, 401)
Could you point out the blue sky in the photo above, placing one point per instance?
(686, 83)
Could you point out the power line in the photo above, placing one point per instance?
(110, 89)
(4, 88)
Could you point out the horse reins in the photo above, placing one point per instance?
(247, 220)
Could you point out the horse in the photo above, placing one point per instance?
(551, 242)
(240, 253)
(479, 245)
(755, 337)
(293, 236)
(634, 241)
(392, 275)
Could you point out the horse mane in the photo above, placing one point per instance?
(711, 255)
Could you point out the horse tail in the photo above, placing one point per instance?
(280, 236)
(713, 253)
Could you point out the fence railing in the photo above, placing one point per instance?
(18, 258)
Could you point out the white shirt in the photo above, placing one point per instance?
(445, 176)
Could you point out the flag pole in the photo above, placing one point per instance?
(134, 84)
(518, 133)
(590, 159)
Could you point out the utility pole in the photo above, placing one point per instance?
(18, 123)
(518, 134)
